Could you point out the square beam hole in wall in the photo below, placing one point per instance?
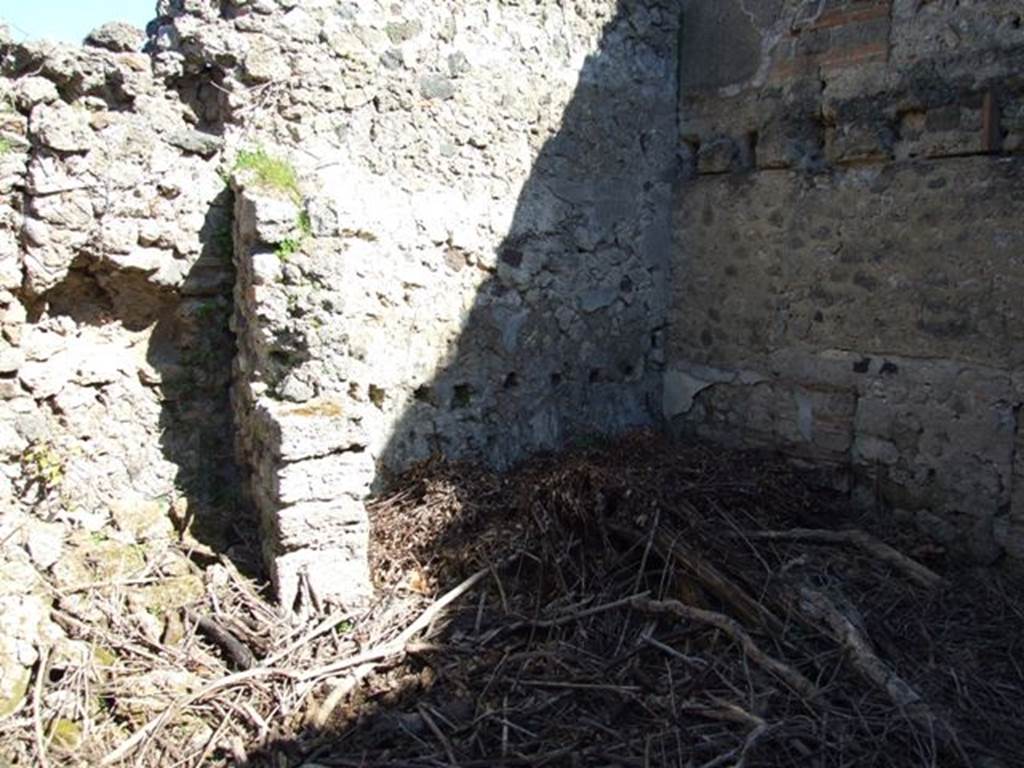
(424, 394)
(462, 396)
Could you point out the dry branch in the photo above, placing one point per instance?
(888, 554)
(397, 646)
(731, 627)
(231, 645)
(817, 607)
(669, 547)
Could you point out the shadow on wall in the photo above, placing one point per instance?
(166, 299)
(192, 349)
(564, 341)
(189, 354)
(564, 338)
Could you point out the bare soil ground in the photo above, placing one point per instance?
(638, 603)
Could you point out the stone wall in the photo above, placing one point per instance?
(452, 234)
(848, 258)
(468, 258)
(484, 273)
(115, 295)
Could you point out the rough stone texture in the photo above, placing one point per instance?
(474, 261)
(484, 276)
(117, 36)
(848, 251)
(115, 293)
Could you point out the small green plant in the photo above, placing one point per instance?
(292, 245)
(345, 626)
(270, 172)
(288, 248)
(278, 175)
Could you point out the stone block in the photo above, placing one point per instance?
(62, 127)
(312, 429)
(322, 479)
(265, 218)
(324, 577)
(342, 521)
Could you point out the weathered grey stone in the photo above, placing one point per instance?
(340, 522)
(719, 45)
(315, 428)
(326, 478)
(11, 358)
(329, 575)
(265, 62)
(682, 386)
(12, 444)
(600, 298)
(268, 219)
(62, 127)
(24, 623)
(437, 87)
(44, 542)
(116, 36)
(196, 142)
(35, 90)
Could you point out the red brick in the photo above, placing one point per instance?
(842, 17)
(864, 54)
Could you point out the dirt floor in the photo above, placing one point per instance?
(636, 603)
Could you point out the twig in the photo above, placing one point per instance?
(37, 711)
(731, 627)
(322, 628)
(741, 751)
(397, 646)
(231, 645)
(154, 725)
(436, 730)
(673, 652)
(818, 607)
(109, 584)
(583, 686)
(569, 618)
(338, 693)
(884, 552)
(717, 583)
(724, 710)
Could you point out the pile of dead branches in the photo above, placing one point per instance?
(639, 604)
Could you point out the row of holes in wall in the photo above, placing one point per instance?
(462, 394)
